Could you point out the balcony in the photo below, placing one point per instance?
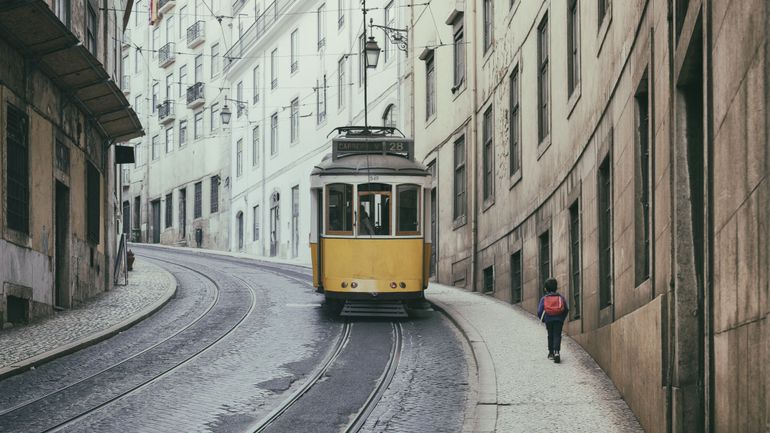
(125, 84)
(165, 6)
(166, 55)
(195, 96)
(166, 112)
(321, 43)
(272, 13)
(196, 34)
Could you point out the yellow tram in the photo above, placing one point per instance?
(370, 230)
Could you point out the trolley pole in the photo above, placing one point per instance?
(366, 68)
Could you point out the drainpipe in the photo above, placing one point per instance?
(473, 154)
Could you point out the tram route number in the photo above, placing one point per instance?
(354, 147)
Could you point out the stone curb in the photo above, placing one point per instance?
(484, 416)
(94, 338)
(223, 253)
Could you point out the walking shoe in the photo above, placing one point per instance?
(556, 357)
(550, 355)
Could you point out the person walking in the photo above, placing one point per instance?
(552, 310)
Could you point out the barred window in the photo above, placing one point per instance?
(93, 203)
(459, 182)
(214, 194)
(198, 210)
(17, 175)
(169, 210)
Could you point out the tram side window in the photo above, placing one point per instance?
(374, 209)
(408, 212)
(340, 210)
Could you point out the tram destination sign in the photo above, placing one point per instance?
(403, 148)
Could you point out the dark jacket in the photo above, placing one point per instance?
(548, 318)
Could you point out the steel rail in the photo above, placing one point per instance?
(104, 370)
(146, 383)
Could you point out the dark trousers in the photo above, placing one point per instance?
(554, 335)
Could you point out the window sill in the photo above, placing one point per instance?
(488, 203)
(459, 222)
(488, 55)
(458, 89)
(601, 35)
(515, 179)
(543, 146)
(512, 12)
(430, 120)
(574, 98)
(21, 239)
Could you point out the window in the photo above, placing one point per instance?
(138, 155)
(155, 102)
(155, 147)
(274, 134)
(575, 259)
(214, 194)
(321, 21)
(155, 40)
(361, 59)
(320, 101)
(388, 22)
(239, 158)
(255, 220)
(459, 57)
(488, 25)
(339, 213)
(17, 174)
(341, 82)
(489, 155)
(137, 58)
(294, 50)
(183, 22)
(374, 209)
(198, 68)
(430, 86)
(92, 29)
(214, 116)
(182, 133)
(169, 139)
(389, 117)
(294, 120)
(573, 46)
(198, 125)
(642, 203)
(459, 182)
(516, 295)
(64, 11)
(543, 81)
(605, 233)
(515, 124)
(489, 279)
(604, 6)
(198, 207)
(274, 69)
(545, 258)
(408, 210)
(182, 79)
(340, 13)
(169, 210)
(239, 107)
(169, 28)
(138, 104)
(256, 83)
(214, 60)
(255, 146)
(93, 203)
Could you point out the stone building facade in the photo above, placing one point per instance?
(177, 191)
(295, 74)
(61, 114)
(620, 147)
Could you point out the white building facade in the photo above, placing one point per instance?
(177, 191)
(294, 74)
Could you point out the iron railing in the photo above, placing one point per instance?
(166, 110)
(195, 33)
(166, 54)
(194, 92)
(261, 25)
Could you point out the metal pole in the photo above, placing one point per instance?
(366, 67)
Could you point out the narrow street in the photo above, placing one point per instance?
(240, 348)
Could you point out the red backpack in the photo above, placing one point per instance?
(553, 305)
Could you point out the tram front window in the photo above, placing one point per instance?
(408, 214)
(374, 209)
(340, 209)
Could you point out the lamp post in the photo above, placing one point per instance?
(371, 57)
(226, 114)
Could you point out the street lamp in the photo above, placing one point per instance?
(226, 114)
(372, 53)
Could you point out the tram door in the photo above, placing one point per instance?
(274, 224)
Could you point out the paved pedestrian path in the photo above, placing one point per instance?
(519, 389)
(100, 317)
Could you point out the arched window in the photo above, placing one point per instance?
(389, 116)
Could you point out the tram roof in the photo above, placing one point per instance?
(373, 164)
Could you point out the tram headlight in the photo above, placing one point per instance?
(403, 285)
(344, 285)
(393, 285)
(353, 285)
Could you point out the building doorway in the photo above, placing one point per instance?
(433, 232)
(62, 240)
(295, 221)
(239, 219)
(127, 218)
(156, 221)
(275, 219)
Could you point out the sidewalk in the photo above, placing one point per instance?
(101, 317)
(238, 255)
(519, 390)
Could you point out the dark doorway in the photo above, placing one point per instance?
(275, 219)
(295, 221)
(183, 213)
(239, 219)
(433, 232)
(61, 245)
(156, 221)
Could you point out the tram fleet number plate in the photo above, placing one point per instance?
(349, 147)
